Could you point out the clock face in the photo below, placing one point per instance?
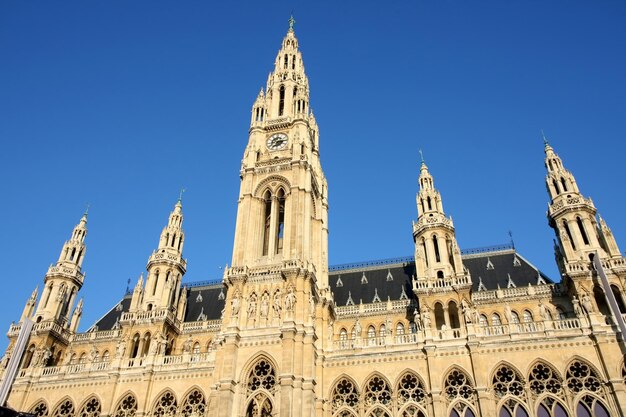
(277, 141)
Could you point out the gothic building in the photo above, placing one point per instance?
(445, 333)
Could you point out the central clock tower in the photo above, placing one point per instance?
(277, 285)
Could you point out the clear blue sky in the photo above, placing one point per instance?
(120, 104)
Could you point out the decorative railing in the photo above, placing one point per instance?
(442, 284)
(372, 308)
(569, 201)
(425, 221)
(159, 256)
(64, 270)
(91, 336)
(534, 291)
(202, 326)
(367, 264)
(207, 283)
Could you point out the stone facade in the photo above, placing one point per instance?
(444, 333)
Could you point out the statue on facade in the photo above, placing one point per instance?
(467, 312)
(265, 305)
(576, 304)
(187, 345)
(277, 304)
(290, 299)
(120, 349)
(426, 319)
(586, 303)
(252, 306)
(543, 311)
(358, 328)
(235, 305)
(508, 313)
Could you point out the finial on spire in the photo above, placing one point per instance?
(180, 196)
(292, 21)
(545, 140)
(422, 158)
(86, 210)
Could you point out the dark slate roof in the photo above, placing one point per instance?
(203, 302)
(107, 321)
(363, 282)
(346, 281)
(494, 269)
(206, 301)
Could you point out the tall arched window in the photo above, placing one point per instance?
(261, 382)
(440, 320)
(280, 225)
(579, 222)
(458, 390)
(495, 320)
(544, 379)
(371, 335)
(550, 407)
(453, 312)
(267, 210)
(281, 100)
(436, 246)
(377, 391)
(399, 329)
(569, 234)
(618, 297)
(581, 377)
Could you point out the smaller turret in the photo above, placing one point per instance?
(29, 308)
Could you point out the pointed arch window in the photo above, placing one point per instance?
(581, 377)
(544, 379)
(127, 407)
(569, 234)
(166, 405)
(436, 247)
(280, 225)
(550, 407)
(267, 207)
(581, 227)
(65, 409)
(512, 408)
(344, 395)
(281, 100)
(564, 184)
(92, 408)
(194, 404)
(40, 409)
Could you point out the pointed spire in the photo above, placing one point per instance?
(35, 294)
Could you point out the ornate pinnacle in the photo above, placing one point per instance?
(180, 195)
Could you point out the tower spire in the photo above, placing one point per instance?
(572, 216)
(65, 279)
(292, 22)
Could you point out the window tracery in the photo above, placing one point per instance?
(92, 408)
(412, 411)
(344, 394)
(462, 409)
(262, 376)
(590, 406)
(40, 409)
(127, 407)
(543, 378)
(457, 385)
(194, 404)
(580, 377)
(507, 382)
(166, 406)
(377, 392)
(512, 408)
(410, 388)
(550, 407)
(65, 409)
(259, 406)
(378, 412)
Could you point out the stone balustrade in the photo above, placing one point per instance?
(201, 326)
(81, 370)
